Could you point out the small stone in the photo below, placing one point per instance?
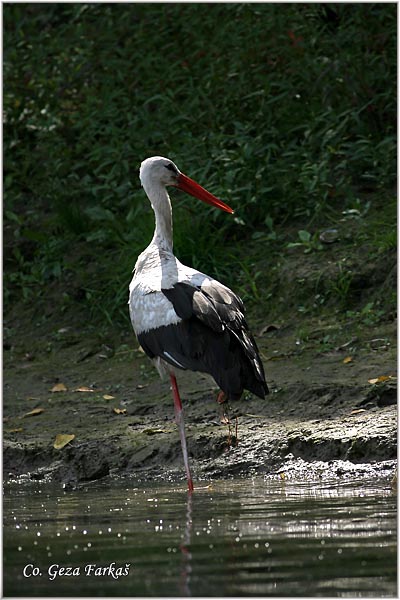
(329, 236)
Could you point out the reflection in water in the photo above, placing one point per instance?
(235, 538)
(185, 549)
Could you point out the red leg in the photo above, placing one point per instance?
(221, 398)
(181, 424)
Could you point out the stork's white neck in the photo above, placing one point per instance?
(161, 205)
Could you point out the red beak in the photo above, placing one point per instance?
(194, 189)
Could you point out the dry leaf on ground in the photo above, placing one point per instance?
(119, 411)
(108, 397)
(34, 412)
(84, 388)
(379, 379)
(347, 360)
(62, 439)
(59, 387)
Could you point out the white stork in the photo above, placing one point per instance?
(184, 319)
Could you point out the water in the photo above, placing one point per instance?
(237, 538)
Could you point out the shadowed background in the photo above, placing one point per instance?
(287, 112)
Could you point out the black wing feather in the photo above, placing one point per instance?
(213, 337)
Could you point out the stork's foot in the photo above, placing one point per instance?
(232, 438)
(225, 420)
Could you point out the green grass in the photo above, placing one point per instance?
(287, 112)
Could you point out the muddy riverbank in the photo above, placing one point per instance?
(325, 323)
(331, 411)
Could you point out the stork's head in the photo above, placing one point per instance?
(159, 171)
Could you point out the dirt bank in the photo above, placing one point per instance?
(322, 418)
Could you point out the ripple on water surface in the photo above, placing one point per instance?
(246, 537)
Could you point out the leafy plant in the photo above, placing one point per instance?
(340, 286)
(307, 241)
(281, 111)
(370, 314)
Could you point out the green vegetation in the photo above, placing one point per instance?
(286, 111)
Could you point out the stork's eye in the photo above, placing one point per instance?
(170, 168)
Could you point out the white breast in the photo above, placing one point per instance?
(156, 270)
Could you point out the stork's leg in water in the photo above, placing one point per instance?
(181, 424)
